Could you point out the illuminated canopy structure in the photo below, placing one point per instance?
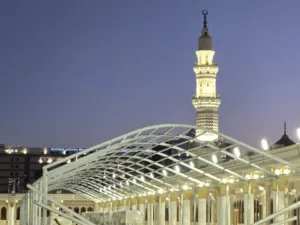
(157, 159)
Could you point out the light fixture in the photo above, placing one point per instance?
(214, 158)
(177, 168)
(40, 160)
(165, 173)
(69, 161)
(261, 188)
(237, 151)
(114, 175)
(134, 180)
(121, 185)
(277, 172)
(298, 133)
(286, 171)
(185, 187)
(49, 160)
(142, 178)
(151, 175)
(104, 176)
(127, 182)
(192, 164)
(265, 144)
(247, 176)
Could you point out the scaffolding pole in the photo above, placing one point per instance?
(37, 192)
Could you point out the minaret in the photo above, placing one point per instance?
(206, 101)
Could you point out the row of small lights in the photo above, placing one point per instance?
(49, 160)
(25, 151)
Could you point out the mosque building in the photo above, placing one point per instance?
(170, 174)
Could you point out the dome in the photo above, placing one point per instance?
(284, 141)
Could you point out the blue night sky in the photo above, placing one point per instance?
(76, 73)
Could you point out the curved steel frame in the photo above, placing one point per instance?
(149, 160)
(125, 166)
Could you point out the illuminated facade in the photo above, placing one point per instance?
(173, 174)
(206, 101)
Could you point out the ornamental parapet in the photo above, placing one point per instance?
(212, 101)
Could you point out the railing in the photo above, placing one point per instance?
(280, 212)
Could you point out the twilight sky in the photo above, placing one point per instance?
(75, 73)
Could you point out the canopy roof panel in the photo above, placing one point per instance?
(158, 159)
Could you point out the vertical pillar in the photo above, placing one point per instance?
(133, 203)
(279, 186)
(11, 213)
(249, 203)
(202, 196)
(150, 210)
(267, 202)
(173, 208)
(187, 196)
(223, 206)
(142, 202)
(45, 190)
(161, 209)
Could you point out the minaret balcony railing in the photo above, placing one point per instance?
(206, 100)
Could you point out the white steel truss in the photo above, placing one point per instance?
(157, 159)
(153, 158)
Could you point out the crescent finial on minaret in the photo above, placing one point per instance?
(204, 13)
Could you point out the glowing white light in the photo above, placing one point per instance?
(134, 180)
(69, 161)
(277, 171)
(247, 176)
(45, 151)
(214, 158)
(255, 176)
(185, 187)
(64, 152)
(286, 171)
(261, 188)
(104, 176)
(127, 182)
(142, 178)
(187, 154)
(265, 144)
(151, 175)
(172, 189)
(114, 175)
(298, 133)
(237, 152)
(231, 180)
(224, 180)
(160, 191)
(165, 173)
(49, 160)
(192, 164)
(177, 168)
(40, 160)
(121, 185)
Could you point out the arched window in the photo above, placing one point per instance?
(90, 209)
(76, 209)
(83, 210)
(3, 213)
(18, 213)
